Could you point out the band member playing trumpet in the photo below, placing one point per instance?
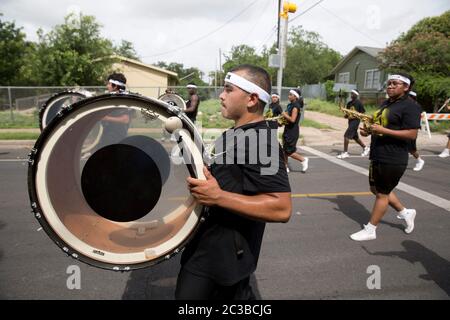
(395, 123)
(292, 129)
(353, 124)
(241, 195)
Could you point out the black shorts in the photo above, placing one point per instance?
(412, 147)
(385, 177)
(352, 130)
(290, 143)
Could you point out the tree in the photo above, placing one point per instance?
(308, 59)
(126, 49)
(71, 54)
(13, 51)
(185, 75)
(242, 54)
(424, 52)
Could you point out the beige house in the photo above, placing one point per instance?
(143, 78)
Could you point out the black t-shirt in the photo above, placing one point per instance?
(357, 106)
(276, 109)
(192, 115)
(292, 128)
(401, 114)
(214, 251)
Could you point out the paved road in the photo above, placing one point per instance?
(310, 257)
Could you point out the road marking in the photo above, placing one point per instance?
(416, 192)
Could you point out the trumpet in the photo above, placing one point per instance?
(352, 114)
(282, 121)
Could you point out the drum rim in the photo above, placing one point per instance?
(45, 105)
(34, 200)
(174, 94)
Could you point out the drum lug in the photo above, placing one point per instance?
(31, 156)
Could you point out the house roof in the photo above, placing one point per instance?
(148, 66)
(369, 50)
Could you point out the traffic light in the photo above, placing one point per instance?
(288, 7)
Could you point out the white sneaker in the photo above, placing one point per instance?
(366, 151)
(419, 165)
(343, 155)
(364, 235)
(305, 164)
(409, 219)
(287, 169)
(445, 153)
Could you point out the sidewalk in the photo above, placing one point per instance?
(310, 136)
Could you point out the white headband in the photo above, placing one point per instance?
(399, 77)
(295, 93)
(412, 93)
(355, 92)
(247, 86)
(118, 83)
(275, 95)
(191, 86)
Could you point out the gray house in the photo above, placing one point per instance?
(360, 67)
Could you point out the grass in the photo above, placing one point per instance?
(439, 126)
(21, 120)
(331, 108)
(314, 124)
(19, 135)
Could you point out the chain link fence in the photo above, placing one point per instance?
(19, 103)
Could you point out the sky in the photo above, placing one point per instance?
(193, 32)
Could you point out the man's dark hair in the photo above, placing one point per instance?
(118, 77)
(258, 76)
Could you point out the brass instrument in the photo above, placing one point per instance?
(352, 114)
(282, 121)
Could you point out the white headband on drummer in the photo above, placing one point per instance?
(399, 77)
(191, 86)
(355, 92)
(295, 93)
(412, 93)
(247, 86)
(117, 82)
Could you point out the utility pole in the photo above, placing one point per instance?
(285, 9)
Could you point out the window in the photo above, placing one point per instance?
(344, 77)
(372, 80)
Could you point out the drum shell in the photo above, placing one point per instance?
(37, 210)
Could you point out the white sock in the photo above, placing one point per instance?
(419, 159)
(371, 227)
(403, 212)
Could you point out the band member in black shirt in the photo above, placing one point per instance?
(292, 130)
(275, 106)
(242, 193)
(193, 103)
(395, 123)
(353, 124)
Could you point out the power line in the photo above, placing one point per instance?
(351, 26)
(204, 36)
(299, 15)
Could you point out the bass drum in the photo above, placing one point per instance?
(174, 100)
(125, 205)
(55, 103)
